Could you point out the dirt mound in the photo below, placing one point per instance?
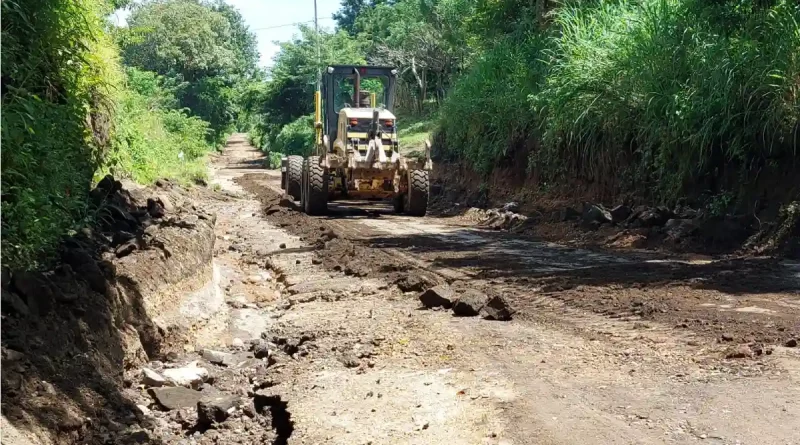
(334, 250)
(73, 335)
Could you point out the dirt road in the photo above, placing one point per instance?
(604, 349)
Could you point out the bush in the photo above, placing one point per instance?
(487, 114)
(58, 69)
(297, 138)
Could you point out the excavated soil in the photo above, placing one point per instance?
(751, 300)
(309, 330)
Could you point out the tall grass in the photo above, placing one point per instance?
(679, 88)
(487, 114)
(663, 93)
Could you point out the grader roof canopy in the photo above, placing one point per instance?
(351, 86)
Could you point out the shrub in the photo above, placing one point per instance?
(58, 69)
(487, 114)
(297, 138)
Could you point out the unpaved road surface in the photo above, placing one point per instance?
(603, 349)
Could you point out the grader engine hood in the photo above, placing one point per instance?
(359, 120)
(367, 135)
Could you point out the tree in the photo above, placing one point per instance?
(346, 15)
(205, 49)
(290, 90)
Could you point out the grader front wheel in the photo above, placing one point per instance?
(415, 202)
(315, 181)
(294, 173)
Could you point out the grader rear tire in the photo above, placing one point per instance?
(316, 187)
(294, 174)
(418, 190)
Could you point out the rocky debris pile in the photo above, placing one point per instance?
(502, 218)
(466, 302)
(681, 226)
(215, 396)
(96, 299)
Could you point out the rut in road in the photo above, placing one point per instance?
(556, 374)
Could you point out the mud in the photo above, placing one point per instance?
(313, 332)
(751, 299)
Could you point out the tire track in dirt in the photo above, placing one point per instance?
(563, 374)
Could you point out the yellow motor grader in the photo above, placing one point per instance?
(356, 154)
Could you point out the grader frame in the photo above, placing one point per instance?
(356, 153)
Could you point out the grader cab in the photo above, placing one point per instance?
(356, 153)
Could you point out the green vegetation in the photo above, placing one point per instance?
(657, 97)
(72, 112)
(654, 97)
(153, 140)
(673, 90)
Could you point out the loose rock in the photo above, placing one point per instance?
(620, 213)
(595, 213)
(470, 303)
(349, 360)
(791, 343)
(261, 349)
(679, 228)
(438, 296)
(152, 378)
(175, 398)
(190, 376)
(216, 409)
(218, 357)
(741, 351)
(155, 208)
(496, 309)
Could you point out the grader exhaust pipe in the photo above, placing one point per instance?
(357, 89)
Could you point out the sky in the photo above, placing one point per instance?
(277, 15)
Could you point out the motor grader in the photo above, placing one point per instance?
(357, 154)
